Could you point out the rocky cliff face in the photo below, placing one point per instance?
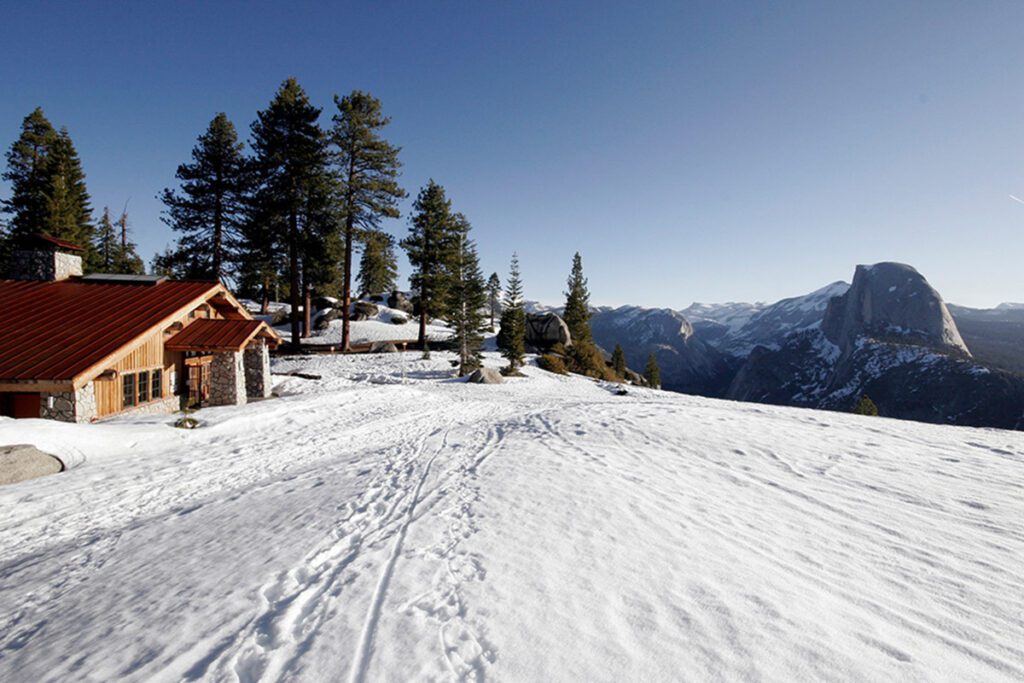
(891, 337)
(891, 301)
(687, 363)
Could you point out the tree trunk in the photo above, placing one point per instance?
(296, 284)
(265, 299)
(346, 299)
(307, 305)
(423, 326)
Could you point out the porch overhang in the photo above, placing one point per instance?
(206, 335)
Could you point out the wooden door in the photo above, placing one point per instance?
(198, 380)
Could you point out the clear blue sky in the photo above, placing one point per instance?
(706, 151)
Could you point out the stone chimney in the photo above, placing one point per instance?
(45, 258)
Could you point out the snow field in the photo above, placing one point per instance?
(389, 523)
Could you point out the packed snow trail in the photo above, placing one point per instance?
(388, 523)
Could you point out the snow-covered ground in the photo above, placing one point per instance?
(384, 326)
(388, 523)
(381, 328)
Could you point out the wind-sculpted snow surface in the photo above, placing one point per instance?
(387, 523)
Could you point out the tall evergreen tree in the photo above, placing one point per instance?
(652, 373)
(494, 297)
(28, 174)
(577, 303)
(512, 335)
(106, 245)
(291, 171)
(619, 361)
(429, 247)
(378, 266)
(69, 213)
(368, 166)
(467, 298)
(209, 210)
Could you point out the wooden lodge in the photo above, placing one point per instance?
(80, 349)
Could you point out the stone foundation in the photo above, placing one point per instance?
(227, 379)
(257, 370)
(66, 406)
(171, 404)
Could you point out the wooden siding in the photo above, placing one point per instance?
(147, 355)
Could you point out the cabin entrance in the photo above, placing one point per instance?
(198, 368)
(19, 405)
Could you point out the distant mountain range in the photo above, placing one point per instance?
(888, 335)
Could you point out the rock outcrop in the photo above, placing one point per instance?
(891, 301)
(544, 330)
(486, 376)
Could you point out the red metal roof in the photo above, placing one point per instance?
(53, 331)
(40, 238)
(215, 335)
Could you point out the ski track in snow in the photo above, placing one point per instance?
(384, 524)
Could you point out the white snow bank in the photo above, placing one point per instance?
(386, 522)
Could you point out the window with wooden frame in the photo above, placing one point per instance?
(144, 387)
(157, 384)
(128, 389)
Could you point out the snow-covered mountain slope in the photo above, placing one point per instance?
(385, 523)
(737, 328)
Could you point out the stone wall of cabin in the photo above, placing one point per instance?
(227, 379)
(69, 406)
(257, 370)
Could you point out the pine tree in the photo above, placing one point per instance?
(652, 373)
(467, 299)
(292, 181)
(368, 166)
(429, 247)
(209, 210)
(512, 335)
(68, 209)
(27, 173)
(494, 297)
(106, 245)
(619, 361)
(378, 266)
(865, 406)
(577, 303)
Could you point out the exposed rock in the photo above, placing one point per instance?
(383, 347)
(889, 337)
(687, 364)
(544, 330)
(322, 303)
(364, 310)
(23, 461)
(397, 319)
(187, 422)
(486, 376)
(398, 300)
(323, 319)
(891, 301)
(635, 378)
